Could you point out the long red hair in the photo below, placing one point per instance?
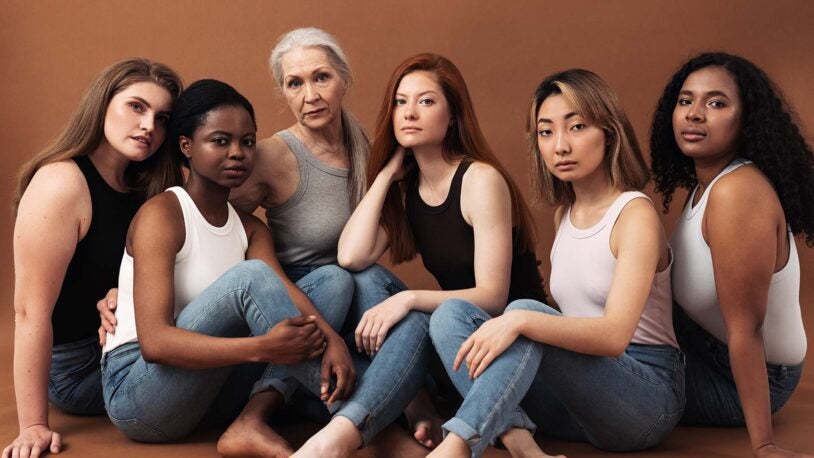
(464, 139)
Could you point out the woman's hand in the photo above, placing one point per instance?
(396, 168)
(376, 322)
(33, 442)
(336, 361)
(107, 314)
(292, 341)
(773, 451)
(487, 343)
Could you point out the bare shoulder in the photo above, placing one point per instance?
(61, 180)
(481, 177)
(273, 149)
(57, 191)
(161, 215)
(744, 189)
(639, 214)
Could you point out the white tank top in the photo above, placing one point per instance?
(784, 338)
(582, 267)
(208, 252)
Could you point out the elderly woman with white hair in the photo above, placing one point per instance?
(309, 178)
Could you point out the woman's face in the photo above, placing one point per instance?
(571, 147)
(312, 87)
(136, 120)
(421, 114)
(222, 149)
(707, 115)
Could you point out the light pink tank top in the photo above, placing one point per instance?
(582, 268)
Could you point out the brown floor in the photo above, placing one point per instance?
(96, 437)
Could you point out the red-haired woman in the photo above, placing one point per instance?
(438, 191)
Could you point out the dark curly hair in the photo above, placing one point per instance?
(769, 137)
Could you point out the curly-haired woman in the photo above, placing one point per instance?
(722, 131)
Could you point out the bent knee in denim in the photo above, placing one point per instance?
(531, 305)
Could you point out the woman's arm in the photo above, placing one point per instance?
(638, 242)
(54, 214)
(486, 205)
(742, 236)
(363, 240)
(336, 359)
(156, 236)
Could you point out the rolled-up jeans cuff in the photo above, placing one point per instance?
(521, 420)
(476, 445)
(286, 386)
(360, 417)
(467, 433)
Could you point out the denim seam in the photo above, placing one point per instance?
(374, 412)
(516, 375)
(241, 290)
(657, 383)
(646, 435)
(142, 423)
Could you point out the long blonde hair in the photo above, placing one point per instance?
(591, 97)
(85, 130)
(354, 138)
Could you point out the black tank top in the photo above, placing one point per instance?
(94, 268)
(447, 244)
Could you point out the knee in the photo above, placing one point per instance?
(254, 272)
(531, 305)
(337, 279)
(449, 315)
(377, 276)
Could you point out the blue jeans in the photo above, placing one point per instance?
(75, 381)
(339, 289)
(393, 377)
(157, 403)
(712, 396)
(623, 403)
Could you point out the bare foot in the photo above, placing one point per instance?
(252, 438)
(338, 439)
(424, 420)
(521, 444)
(451, 446)
(394, 442)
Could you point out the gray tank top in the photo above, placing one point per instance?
(307, 226)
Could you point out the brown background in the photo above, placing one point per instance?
(51, 50)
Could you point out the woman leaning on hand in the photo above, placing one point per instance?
(73, 203)
(722, 131)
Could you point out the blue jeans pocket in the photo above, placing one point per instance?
(75, 358)
(783, 380)
(74, 382)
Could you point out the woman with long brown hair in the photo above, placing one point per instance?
(437, 190)
(73, 204)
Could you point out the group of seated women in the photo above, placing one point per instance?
(141, 212)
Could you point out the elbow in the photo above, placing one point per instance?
(497, 303)
(351, 261)
(615, 345)
(151, 351)
(615, 350)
